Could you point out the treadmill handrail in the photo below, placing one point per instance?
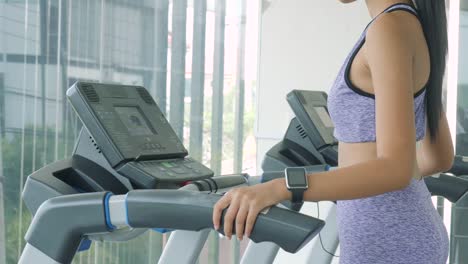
(71, 216)
(460, 166)
(450, 187)
(219, 183)
(174, 209)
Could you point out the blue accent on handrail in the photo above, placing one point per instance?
(162, 230)
(126, 211)
(109, 224)
(84, 245)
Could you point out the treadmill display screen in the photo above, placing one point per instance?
(134, 120)
(324, 116)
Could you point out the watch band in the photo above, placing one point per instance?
(297, 195)
(297, 199)
(296, 206)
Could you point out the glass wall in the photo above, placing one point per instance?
(196, 57)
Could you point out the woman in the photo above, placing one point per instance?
(392, 131)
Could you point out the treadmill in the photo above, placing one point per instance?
(309, 141)
(129, 172)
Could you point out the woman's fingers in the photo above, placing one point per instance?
(240, 219)
(250, 221)
(231, 216)
(222, 204)
(243, 207)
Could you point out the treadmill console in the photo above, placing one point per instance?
(310, 108)
(134, 136)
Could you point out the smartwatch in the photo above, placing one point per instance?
(297, 184)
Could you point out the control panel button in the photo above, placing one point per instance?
(172, 174)
(167, 164)
(179, 170)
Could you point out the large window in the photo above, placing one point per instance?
(196, 57)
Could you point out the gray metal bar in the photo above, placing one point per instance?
(64, 62)
(160, 46)
(2, 178)
(2, 105)
(198, 79)
(440, 206)
(260, 253)
(179, 49)
(240, 91)
(34, 255)
(330, 240)
(102, 30)
(2, 213)
(217, 111)
(459, 230)
(44, 26)
(190, 242)
(239, 110)
(218, 87)
(44, 14)
(155, 246)
(67, 119)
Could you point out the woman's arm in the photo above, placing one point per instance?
(362, 180)
(435, 157)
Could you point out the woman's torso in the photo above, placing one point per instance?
(396, 227)
(357, 71)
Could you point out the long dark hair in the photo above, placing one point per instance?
(433, 18)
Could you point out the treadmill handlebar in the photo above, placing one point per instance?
(460, 166)
(220, 183)
(185, 210)
(71, 217)
(450, 187)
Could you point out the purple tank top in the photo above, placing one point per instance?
(353, 110)
(397, 227)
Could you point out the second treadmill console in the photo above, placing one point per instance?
(310, 108)
(131, 131)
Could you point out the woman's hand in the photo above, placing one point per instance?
(245, 204)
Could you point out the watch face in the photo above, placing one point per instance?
(296, 178)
